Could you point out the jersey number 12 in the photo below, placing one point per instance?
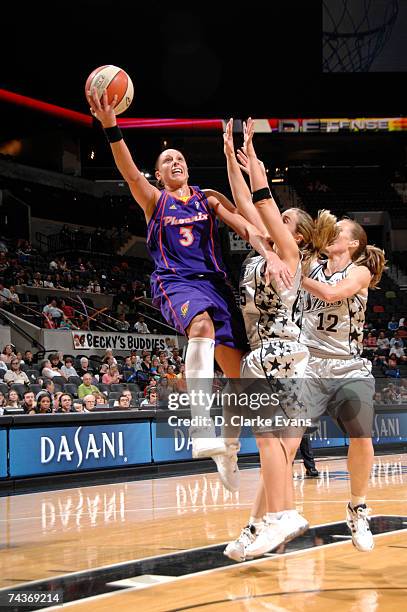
(330, 323)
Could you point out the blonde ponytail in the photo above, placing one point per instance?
(374, 260)
(317, 233)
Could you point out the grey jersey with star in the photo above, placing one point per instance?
(267, 312)
(332, 329)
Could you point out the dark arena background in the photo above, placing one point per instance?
(101, 504)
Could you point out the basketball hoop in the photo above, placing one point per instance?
(354, 32)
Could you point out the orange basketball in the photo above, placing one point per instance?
(116, 81)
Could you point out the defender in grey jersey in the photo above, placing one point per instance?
(275, 350)
(331, 312)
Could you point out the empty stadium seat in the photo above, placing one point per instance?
(19, 388)
(120, 387)
(71, 388)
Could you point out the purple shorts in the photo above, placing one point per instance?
(181, 299)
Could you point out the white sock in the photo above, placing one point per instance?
(199, 371)
(357, 501)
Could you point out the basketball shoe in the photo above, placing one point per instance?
(236, 550)
(270, 537)
(208, 445)
(357, 519)
(228, 468)
(294, 524)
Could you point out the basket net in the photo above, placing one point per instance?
(354, 32)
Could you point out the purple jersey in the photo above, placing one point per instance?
(182, 237)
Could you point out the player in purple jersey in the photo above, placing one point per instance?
(189, 283)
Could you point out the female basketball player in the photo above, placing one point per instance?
(189, 282)
(275, 351)
(332, 309)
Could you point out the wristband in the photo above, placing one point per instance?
(261, 194)
(113, 134)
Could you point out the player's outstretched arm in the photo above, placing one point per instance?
(265, 204)
(240, 190)
(145, 194)
(357, 281)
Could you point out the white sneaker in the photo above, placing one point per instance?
(294, 524)
(236, 550)
(228, 468)
(358, 522)
(271, 536)
(207, 447)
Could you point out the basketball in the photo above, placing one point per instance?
(116, 81)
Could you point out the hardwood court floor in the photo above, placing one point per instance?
(43, 535)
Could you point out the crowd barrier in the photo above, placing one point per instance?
(69, 443)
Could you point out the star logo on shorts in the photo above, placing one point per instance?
(185, 308)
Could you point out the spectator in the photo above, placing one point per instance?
(52, 312)
(28, 359)
(15, 375)
(112, 377)
(109, 358)
(55, 401)
(393, 324)
(68, 311)
(47, 370)
(396, 339)
(3, 366)
(383, 343)
(5, 295)
(398, 351)
(84, 367)
(140, 327)
(377, 397)
(122, 324)
(171, 375)
(401, 321)
(151, 399)
(391, 365)
(29, 404)
(13, 295)
(44, 403)
(37, 280)
(86, 388)
(101, 398)
(124, 402)
(3, 401)
(146, 364)
(89, 402)
(68, 369)
(8, 353)
(13, 399)
(65, 403)
(49, 387)
(48, 282)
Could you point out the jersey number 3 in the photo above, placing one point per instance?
(332, 319)
(187, 235)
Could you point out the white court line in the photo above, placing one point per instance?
(176, 476)
(218, 569)
(224, 506)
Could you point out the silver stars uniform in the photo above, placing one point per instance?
(333, 332)
(275, 351)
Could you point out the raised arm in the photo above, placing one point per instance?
(240, 190)
(358, 280)
(145, 194)
(266, 206)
